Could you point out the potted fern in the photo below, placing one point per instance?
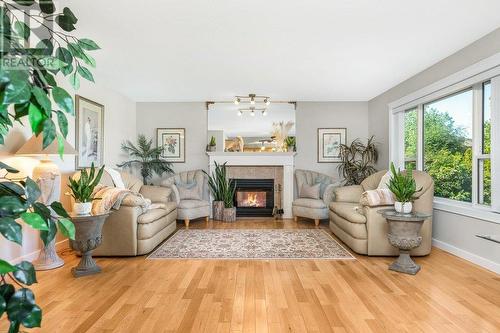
(403, 186)
(216, 184)
(82, 189)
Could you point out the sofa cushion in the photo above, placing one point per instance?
(152, 215)
(355, 230)
(348, 211)
(190, 204)
(310, 191)
(149, 230)
(309, 203)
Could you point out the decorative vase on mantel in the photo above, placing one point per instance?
(229, 214)
(403, 207)
(218, 210)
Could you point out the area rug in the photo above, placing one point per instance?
(251, 244)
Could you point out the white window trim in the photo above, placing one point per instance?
(484, 70)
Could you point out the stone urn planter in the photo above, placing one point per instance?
(88, 237)
(229, 214)
(403, 234)
(218, 210)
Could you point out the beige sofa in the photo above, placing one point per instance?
(364, 230)
(315, 209)
(190, 209)
(129, 231)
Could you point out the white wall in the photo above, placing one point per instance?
(119, 124)
(313, 115)
(451, 231)
(191, 115)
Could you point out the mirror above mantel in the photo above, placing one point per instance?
(251, 127)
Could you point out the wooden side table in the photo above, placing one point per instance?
(404, 234)
(88, 237)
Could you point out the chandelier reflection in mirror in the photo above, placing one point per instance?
(252, 99)
(252, 110)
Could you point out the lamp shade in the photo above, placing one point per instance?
(34, 146)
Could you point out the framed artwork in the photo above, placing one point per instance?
(89, 132)
(173, 142)
(329, 141)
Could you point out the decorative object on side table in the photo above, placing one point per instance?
(48, 178)
(404, 187)
(82, 190)
(329, 142)
(403, 234)
(216, 183)
(89, 132)
(357, 161)
(172, 140)
(147, 157)
(212, 145)
(88, 237)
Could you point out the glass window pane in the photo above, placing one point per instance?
(448, 145)
(411, 133)
(486, 117)
(485, 182)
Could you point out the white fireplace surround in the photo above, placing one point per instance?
(286, 160)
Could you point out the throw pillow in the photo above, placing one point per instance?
(188, 191)
(384, 182)
(310, 191)
(379, 197)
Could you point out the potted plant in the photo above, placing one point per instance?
(403, 186)
(82, 190)
(212, 144)
(290, 143)
(216, 183)
(229, 213)
(357, 160)
(147, 157)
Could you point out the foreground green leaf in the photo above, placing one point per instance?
(67, 228)
(11, 206)
(21, 308)
(59, 209)
(32, 191)
(88, 44)
(5, 267)
(63, 100)
(35, 221)
(36, 118)
(49, 132)
(11, 230)
(42, 99)
(25, 273)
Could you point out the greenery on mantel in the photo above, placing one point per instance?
(29, 93)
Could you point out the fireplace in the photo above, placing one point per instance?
(254, 197)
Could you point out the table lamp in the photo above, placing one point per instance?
(48, 177)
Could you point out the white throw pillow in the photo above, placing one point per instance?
(384, 182)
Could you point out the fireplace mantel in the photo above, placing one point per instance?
(286, 160)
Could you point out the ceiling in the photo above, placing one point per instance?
(316, 50)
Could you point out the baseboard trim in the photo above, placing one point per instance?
(60, 246)
(474, 258)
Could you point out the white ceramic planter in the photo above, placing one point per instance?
(403, 207)
(82, 208)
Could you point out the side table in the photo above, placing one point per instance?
(404, 234)
(88, 237)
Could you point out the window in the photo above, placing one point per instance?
(411, 134)
(484, 159)
(448, 145)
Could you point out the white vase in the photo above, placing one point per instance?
(82, 208)
(403, 207)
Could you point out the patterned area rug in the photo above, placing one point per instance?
(251, 244)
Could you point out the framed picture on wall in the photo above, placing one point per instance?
(329, 141)
(173, 142)
(89, 117)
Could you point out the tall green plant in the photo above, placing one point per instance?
(402, 184)
(146, 157)
(357, 161)
(221, 187)
(228, 193)
(82, 189)
(28, 89)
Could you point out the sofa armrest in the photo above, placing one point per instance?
(348, 193)
(329, 194)
(156, 193)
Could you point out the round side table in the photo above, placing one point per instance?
(403, 234)
(88, 237)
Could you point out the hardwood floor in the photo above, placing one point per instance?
(139, 295)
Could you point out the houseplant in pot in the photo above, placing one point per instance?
(403, 186)
(212, 145)
(357, 161)
(290, 142)
(229, 213)
(82, 189)
(216, 183)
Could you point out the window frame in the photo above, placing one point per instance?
(473, 77)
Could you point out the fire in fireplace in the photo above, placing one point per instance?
(250, 199)
(254, 197)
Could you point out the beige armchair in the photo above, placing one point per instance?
(364, 230)
(190, 208)
(312, 208)
(129, 231)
